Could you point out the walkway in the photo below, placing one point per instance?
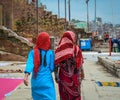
(90, 90)
(93, 74)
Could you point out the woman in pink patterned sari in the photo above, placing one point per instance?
(68, 67)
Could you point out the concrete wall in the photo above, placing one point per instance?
(110, 65)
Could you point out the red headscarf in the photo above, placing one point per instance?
(42, 42)
(67, 49)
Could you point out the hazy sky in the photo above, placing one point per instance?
(108, 10)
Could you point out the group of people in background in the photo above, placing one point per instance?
(115, 41)
(115, 44)
(66, 62)
(106, 37)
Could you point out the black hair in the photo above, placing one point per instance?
(44, 62)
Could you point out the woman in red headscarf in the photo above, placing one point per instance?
(68, 67)
(41, 64)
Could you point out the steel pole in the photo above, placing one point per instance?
(58, 8)
(65, 9)
(69, 10)
(110, 46)
(65, 14)
(95, 16)
(87, 16)
(37, 16)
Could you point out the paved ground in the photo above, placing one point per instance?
(90, 90)
(22, 92)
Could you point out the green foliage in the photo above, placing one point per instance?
(18, 25)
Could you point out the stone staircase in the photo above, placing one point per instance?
(12, 43)
(101, 47)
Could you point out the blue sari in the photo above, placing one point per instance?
(42, 86)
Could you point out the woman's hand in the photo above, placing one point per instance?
(82, 76)
(57, 79)
(26, 81)
(82, 73)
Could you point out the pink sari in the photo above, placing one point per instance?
(68, 57)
